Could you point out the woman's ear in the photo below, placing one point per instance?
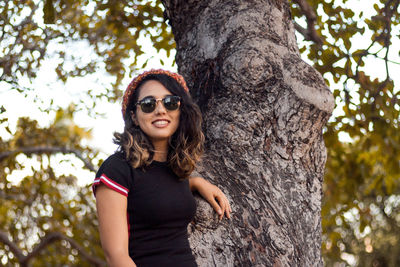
(133, 116)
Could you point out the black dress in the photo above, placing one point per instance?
(160, 206)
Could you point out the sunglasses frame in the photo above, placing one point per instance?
(162, 100)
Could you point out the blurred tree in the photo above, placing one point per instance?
(361, 190)
(362, 186)
(47, 219)
(110, 28)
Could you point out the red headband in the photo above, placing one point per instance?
(134, 83)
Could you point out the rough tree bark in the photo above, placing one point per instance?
(264, 110)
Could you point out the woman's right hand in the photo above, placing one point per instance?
(213, 195)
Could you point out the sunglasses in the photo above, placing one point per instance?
(149, 103)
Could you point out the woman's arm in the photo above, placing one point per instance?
(211, 193)
(113, 226)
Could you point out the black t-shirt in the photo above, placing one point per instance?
(160, 206)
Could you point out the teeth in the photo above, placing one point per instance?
(160, 123)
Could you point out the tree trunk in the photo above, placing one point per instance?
(264, 110)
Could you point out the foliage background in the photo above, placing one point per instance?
(70, 60)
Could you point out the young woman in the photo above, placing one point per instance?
(144, 191)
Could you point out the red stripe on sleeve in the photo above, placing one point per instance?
(110, 184)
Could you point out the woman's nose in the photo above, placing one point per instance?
(160, 109)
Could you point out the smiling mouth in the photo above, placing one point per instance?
(160, 122)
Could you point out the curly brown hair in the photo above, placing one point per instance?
(185, 146)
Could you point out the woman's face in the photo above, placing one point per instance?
(160, 124)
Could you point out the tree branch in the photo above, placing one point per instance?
(17, 197)
(310, 34)
(47, 240)
(96, 261)
(388, 27)
(48, 149)
(55, 236)
(13, 247)
(301, 30)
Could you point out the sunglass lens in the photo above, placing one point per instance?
(171, 102)
(148, 105)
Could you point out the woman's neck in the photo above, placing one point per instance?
(160, 151)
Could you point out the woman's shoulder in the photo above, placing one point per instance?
(117, 157)
(116, 160)
(115, 173)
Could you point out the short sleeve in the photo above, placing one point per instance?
(115, 173)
